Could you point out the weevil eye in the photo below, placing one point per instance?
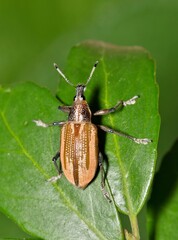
(82, 97)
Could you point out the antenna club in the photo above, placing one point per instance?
(55, 65)
(96, 63)
(61, 73)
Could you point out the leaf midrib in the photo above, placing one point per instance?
(123, 171)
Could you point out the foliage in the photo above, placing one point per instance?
(49, 210)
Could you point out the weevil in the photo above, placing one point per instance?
(79, 154)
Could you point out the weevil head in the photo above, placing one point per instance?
(80, 92)
(80, 111)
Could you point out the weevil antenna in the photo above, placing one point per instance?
(92, 71)
(61, 73)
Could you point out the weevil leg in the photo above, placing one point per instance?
(105, 193)
(54, 159)
(136, 140)
(40, 123)
(65, 108)
(118, 106)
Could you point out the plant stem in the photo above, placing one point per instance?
(134, 226)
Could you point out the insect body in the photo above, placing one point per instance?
(79, 153)
(79, 145)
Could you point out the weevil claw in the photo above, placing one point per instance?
(130, 101)
(40, 123)
(54, 178)
(142, 140)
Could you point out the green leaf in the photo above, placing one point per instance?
(60, 211)
(122, 73)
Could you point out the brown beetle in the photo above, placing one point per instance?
(79, 154)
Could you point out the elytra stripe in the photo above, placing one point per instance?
(75, 160)
(87, 131)
(65, 136)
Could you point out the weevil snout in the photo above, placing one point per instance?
(80, 89)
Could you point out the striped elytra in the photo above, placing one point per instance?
(79, 152)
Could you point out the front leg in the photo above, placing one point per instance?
(65, 108)
(118, 106)
(40, 123)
